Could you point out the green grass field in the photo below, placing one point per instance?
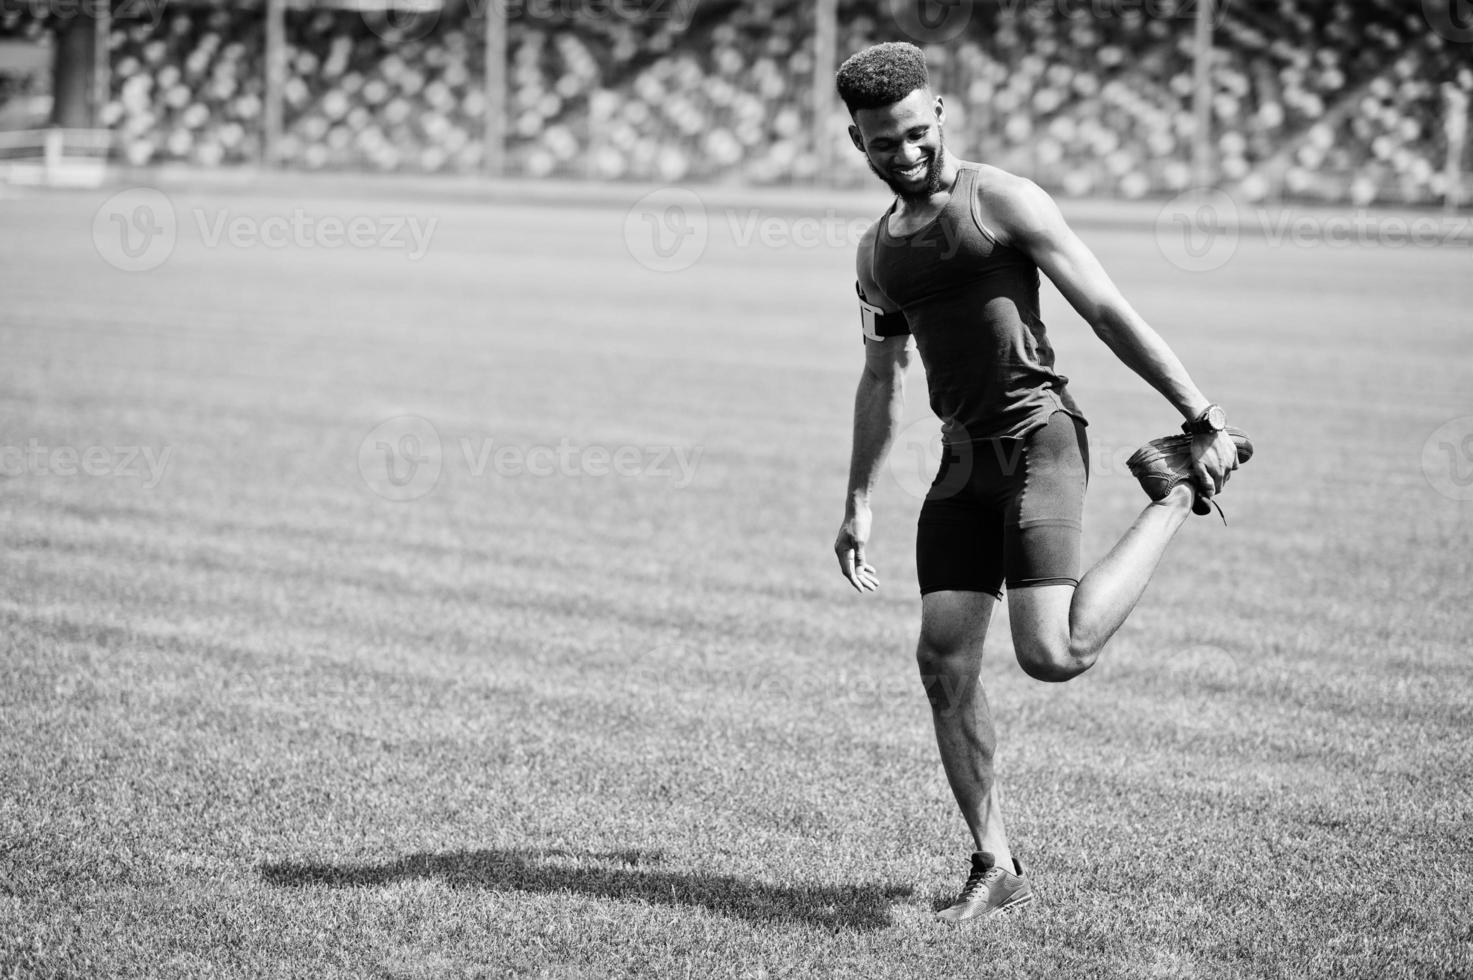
(626, 719)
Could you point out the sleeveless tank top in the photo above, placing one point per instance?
(972, 305)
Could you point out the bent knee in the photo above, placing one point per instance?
(1053, 662)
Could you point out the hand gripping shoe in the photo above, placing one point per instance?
(1164, 463)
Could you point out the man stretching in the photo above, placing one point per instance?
(954, 262)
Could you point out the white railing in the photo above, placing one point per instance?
(55, 157)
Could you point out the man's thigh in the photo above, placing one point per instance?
(1043, 521)
(956, 621)
(959, 533)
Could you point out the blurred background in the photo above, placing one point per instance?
(1345, 101)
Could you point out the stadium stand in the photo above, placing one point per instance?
(1340, 100)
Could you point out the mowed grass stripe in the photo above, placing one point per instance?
(262, 722)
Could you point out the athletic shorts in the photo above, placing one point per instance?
(1006, 511)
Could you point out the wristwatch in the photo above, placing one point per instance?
(1211, 419)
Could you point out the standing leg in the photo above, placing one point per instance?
(953, 627)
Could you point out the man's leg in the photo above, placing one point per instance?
(953, 626)
(1059, 630)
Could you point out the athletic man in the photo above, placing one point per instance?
(954, 264)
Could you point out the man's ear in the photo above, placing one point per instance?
(940, 111)
(856, 137)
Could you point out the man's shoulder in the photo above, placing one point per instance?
(871, 232)
(1015, 204)
(1004, 187)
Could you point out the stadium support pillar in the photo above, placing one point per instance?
(1202, 175)
(494, 155)
(825, 40)
(102, 26)
(271, 108)
(1455, 124)
(73, 76)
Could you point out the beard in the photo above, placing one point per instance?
(927, 187)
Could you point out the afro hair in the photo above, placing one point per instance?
(881, 75)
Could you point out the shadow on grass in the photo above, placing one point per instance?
(621, 875)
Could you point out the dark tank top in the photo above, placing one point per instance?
(972, 305)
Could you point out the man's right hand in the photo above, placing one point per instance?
(849, 547)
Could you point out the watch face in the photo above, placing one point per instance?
(1215, 418)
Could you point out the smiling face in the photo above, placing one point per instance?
(903, 144)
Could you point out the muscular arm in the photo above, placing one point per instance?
(1028, 219)
(1031, 221)
(878, 403)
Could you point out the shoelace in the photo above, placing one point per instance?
(978, 881)
(1213, 502)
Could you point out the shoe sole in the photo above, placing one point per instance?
(1008, 906)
